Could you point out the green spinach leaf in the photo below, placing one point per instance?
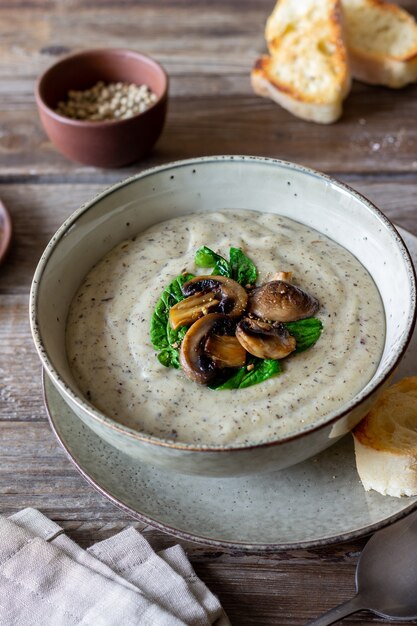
(169, 357)
(240, 267)
(242, 378)
(205, 257)
(306, 332)
(243, 269)
(163, 337)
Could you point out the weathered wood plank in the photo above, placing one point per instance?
(36, 211)
(208, 50)
(179, 33)
(218, 5)
(377, 134)
(211, 37)
(194, 41)
(20, 370)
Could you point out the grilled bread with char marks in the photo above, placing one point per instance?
(307, 71)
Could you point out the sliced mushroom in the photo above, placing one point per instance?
(280, 301)
(226, 351)
(286, 276)
(232, 296)
(266, 341)
(197, 363)
(189, 310)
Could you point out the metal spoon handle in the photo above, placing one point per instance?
(339, 612)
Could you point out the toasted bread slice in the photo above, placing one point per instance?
(382, 42)
(386, 442)
(307, 72)
(292, 16)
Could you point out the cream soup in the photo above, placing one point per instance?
(115, 366)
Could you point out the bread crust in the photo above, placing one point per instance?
(384, 67)
(386, 441)
(313, 32)
(386, 72)
(385, 472)
(321, 113)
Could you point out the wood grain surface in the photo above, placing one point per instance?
(207, 49)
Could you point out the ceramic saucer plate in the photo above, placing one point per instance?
(5, 231)
(316, 502)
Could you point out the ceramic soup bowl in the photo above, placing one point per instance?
(203, 185)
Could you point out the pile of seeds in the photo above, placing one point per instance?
(114, 101)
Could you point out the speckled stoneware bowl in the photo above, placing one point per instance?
(210, 184)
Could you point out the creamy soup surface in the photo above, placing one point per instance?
(115, 365)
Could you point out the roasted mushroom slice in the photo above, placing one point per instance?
(226, 351)
(266, 341)
(280, 301)
(196, 358)
(286, 276)
(232, 296)
(189, 310)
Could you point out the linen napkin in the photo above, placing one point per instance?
(47, 579)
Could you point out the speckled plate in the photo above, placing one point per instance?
(316, 502)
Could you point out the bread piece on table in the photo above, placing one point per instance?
(307, 71)
(386, 442)
(382, 42)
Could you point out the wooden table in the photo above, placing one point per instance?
(207, 49)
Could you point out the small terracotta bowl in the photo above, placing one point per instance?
(110, 143)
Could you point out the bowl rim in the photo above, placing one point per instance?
(62, 119)
(107, 421)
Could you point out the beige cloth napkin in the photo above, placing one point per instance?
(47, 579)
